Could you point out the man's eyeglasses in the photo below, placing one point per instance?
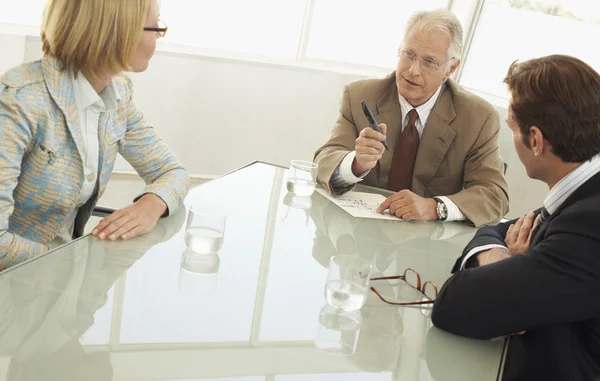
(428, 291)
(160, 29)
(427, 64)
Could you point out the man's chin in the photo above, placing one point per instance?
(406, 92)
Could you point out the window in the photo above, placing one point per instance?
(366, 32)
(261, 27)
(508, 30)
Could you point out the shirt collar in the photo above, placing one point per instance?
(423, 110)
(86, 96)
(111, 95)
(569, 184)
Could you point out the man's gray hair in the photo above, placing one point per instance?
(441, 20)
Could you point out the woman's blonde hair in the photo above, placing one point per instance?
(96, 37)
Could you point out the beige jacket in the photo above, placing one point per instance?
(457, 157)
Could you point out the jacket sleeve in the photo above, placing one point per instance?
(15, 142)
(341, 142)
(153, 160)
(555, 281)
(484, 198)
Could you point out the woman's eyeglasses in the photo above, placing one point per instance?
(160, 29)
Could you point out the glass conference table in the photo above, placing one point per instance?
(147, 309)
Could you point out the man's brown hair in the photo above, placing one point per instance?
(560, 95)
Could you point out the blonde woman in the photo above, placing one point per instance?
(64, 118)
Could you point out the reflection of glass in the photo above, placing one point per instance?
(198, 272)
(338, 331)
(380, 338)
(298, 208)
(204, 232)
(347, 282)
(302, 177)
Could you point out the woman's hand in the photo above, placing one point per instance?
(133, 220)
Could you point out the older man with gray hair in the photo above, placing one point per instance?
(443, 158)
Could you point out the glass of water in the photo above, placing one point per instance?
(204, 231)
(347, 282)
(302, 178)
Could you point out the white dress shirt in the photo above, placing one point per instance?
(557, 195)
(90, 105)
(343, 176)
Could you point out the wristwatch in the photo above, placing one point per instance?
(442, 209)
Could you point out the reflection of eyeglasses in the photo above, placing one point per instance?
(413, 279)
(160, 29)
(427, 64)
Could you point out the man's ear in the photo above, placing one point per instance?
(453, 67)
(536, 140)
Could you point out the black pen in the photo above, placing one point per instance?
(372, 121)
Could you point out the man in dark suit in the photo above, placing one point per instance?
(539, 276)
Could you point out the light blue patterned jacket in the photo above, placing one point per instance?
(41, 170)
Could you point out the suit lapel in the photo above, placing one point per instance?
(103, 139)
(435, 141)
(60, 87)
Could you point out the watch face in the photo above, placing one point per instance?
(442, 210)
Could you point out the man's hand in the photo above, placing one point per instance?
(492, 256)
(410, 207)
(369, 149)
(518, 236)
(133, 220)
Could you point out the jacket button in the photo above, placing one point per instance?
(90, 177)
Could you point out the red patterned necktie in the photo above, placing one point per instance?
(405, 154)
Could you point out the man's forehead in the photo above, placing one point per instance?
(431, 42)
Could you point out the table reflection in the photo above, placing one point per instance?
(47, 308)
(252, 310)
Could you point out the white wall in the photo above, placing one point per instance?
(221, 114)
(13, 51)
(218, 114)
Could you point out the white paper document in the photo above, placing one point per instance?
(360, 205)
